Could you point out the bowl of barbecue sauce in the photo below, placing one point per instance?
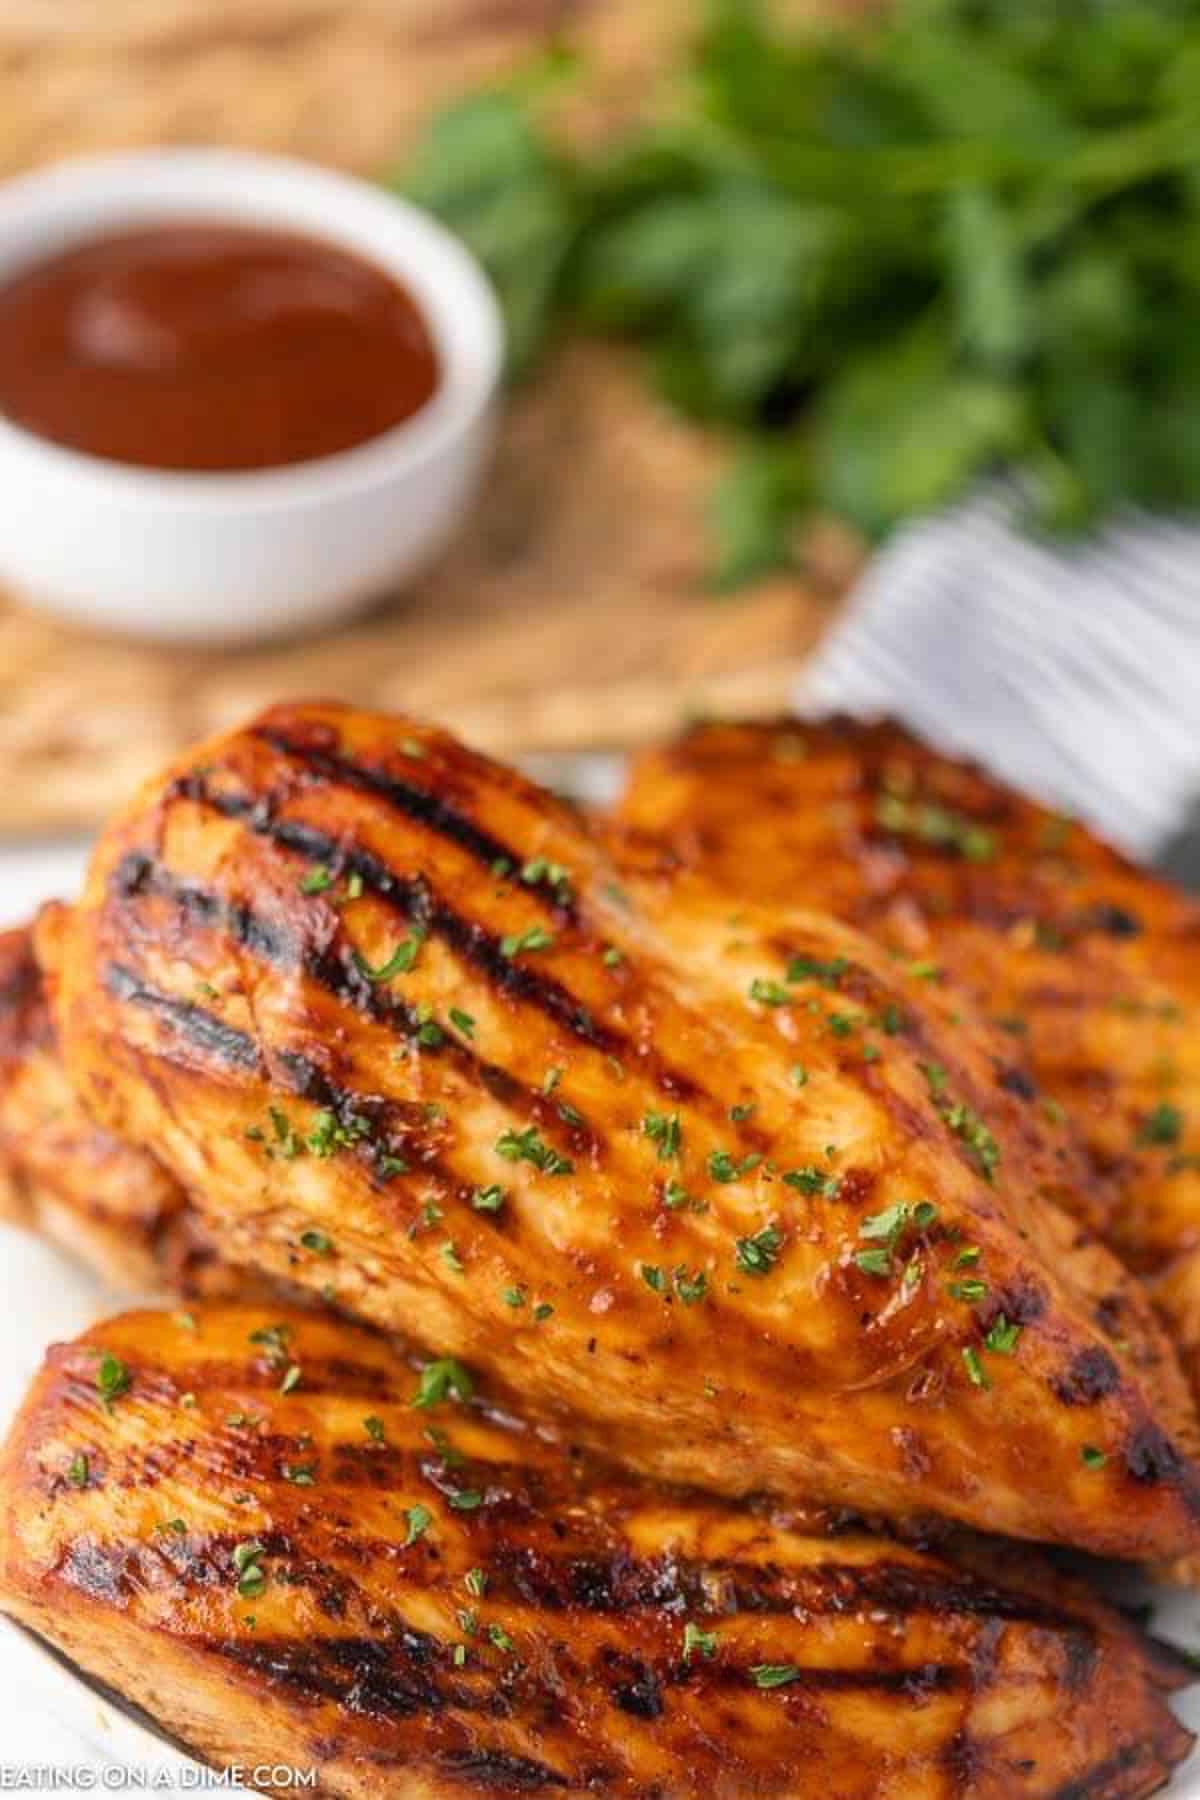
(239, 396)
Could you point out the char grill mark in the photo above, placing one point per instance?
(225, 1043)
(336, 970)
(415, 803)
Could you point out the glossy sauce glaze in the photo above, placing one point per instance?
(208, 346)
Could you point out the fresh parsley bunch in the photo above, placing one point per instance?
(893, 258)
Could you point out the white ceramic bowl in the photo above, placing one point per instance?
(231, 558)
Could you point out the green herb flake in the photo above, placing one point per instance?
(442, 1380)
(774, 1675)
(757, 1255)
(696, 1641)
(400, 962)
(665, 1131)
(418, 1520)
(112, 1380)
(974, 1367)
(534, 937)
(77, 1470)
(1092, 1458)
(461, 1021)
(1003, 1336)
(318, 1242)
(1162, 1126)
(375, 1429)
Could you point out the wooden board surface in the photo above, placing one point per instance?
(572, 610)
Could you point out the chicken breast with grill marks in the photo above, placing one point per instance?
(724, 1197)
(1091, 966)
(243, 1523)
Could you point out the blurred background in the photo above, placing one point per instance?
(654, 537)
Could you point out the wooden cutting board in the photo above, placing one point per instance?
(572, 611)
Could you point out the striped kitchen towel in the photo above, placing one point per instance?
(1071, 671)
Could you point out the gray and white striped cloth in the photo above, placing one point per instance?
(1074, 672)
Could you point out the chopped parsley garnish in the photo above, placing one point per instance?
(514, 1297)
(299, 1474)
(812, 968)
(288, 1143)
(462, 1021)
(724, 1167)
(968, 1257)
(769, 993)
(935, 1075)
(399, 962)
(1163, 1126)
(374, 1428)
(274, 1339)
(543, 1311)
(291, 1379)
(539, 872)
(745, 1111)
(488, 1199)
(330, 1134)
(442, 1379)
(251, 1579)
(449, 1255)
(935, 825)
(974, 1367)
(613, 958)
(1092, 1458)
(500, 1638)
(811, 1180)
(534, 937)
(891, 1020)
(475, 1581)
(967, 1125)
(969, 1290)
(465, 1499)
(419, 1519)
(654, 1278)
(690, 1288)
(317, 880)
(317, 1242)
(758, 1255)
(773, 1675)
(112, 1379)
(664, 1130)
(528, 1146)
(696, 1640)
(842, 1024)
(675, 1196)
(1003, 1336)
(77, 1472)
(874, 1262)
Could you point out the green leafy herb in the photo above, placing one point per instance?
(399, 962)
(769, 993)
(418, 1520)
(461, 1021)
(664, 1130)
(317, 1241)
(77, 1471)
(317, 880)
(488, 1199)
(974, 1367)
(528, 1146)
(1092, 1458)
(112, 1379)
(441, 1380)
(758, 1255)
(773, 1675)
(534, 937)
(251, 1579)
(696, 1640)
(466, 1499)
(374, 1428)
(1162, 1126)
(1003, 1336)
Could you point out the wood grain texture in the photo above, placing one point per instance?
(572, 611)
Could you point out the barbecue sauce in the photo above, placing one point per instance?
(205, 346)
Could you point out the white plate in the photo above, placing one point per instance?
(54, 1714)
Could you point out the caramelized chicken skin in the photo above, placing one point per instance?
(242, 1520)
(732, 1199)
(1091, 965)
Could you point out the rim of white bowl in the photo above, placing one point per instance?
(82, 198)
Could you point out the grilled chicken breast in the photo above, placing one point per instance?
(1090, 965)
(242, 1521)
(724, 1196)
(106, 1203)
